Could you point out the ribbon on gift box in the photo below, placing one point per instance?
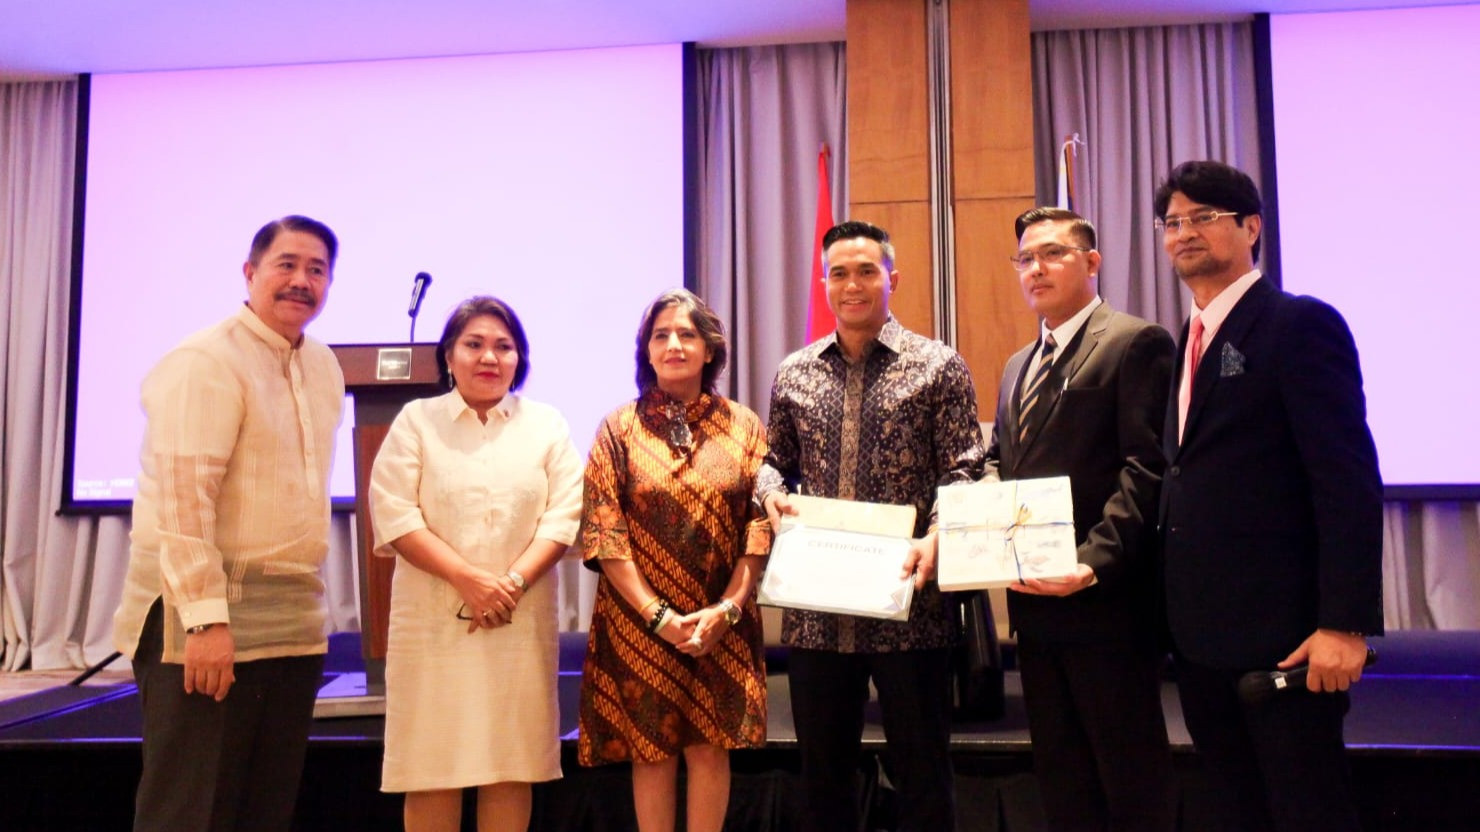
(1020, 521)
(973, 516)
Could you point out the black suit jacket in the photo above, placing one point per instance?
(1271, 511)
(1099, 422)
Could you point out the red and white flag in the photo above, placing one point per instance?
(819, 317)
(1068, 152)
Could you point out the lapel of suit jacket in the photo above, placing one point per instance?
(1088, 338)
(1171, 442)
(1080, 346)
(1235, 327)
(1012, 413)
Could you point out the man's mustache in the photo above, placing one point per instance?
(297, 295)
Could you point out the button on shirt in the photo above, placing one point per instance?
(888, 428)
(231, 520)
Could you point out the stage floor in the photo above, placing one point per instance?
(1414, 734)
(1423, 696)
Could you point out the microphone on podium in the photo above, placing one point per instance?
(418, 291)
(1259, 686)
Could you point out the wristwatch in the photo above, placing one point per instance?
(518, 580)
(732, 612)
(200, 628)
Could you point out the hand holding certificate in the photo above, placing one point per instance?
(841, 556)
(998, 533)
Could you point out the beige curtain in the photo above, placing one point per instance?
(764, 112)
(47, 586)
(61, 577)
(1144, 99)
(1431, 566)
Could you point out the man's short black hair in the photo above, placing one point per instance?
(1213, 184)
(262, 240)
(1081, 229)
(850, 229)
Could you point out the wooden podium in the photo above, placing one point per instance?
(382, 378)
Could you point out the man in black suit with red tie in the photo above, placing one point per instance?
(1271, 513)
(1087, 399)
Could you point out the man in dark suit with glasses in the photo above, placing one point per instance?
(1271, 512)
(1087, 400)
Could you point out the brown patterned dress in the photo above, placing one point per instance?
(680, 507)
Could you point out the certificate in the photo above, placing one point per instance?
(850, 516)
(841, 556)
(997, 533)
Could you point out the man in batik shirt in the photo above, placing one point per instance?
(876, 413)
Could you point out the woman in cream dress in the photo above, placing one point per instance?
(479, 492)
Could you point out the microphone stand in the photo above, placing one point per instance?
(91, 671)
(419, 288)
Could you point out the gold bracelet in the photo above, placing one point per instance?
(645, 607)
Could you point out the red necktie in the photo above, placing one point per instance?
(1184, 391)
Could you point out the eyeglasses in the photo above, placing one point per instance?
(1023, 260)
(1173, 225)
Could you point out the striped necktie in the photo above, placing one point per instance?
(1035, 387)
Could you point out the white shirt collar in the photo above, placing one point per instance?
(457, 405)
(1065, 332)
(1218, 308)
(260, 328)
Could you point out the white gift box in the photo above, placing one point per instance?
(997, 533)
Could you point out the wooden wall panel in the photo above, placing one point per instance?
(888, 143)
(992, 319)
(992, 168)
(888, 102)
(991, 99)
(992, 164)
(908, 224)
(375, 596)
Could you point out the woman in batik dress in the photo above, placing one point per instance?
(675, 664)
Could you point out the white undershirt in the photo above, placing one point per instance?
(1062, 334)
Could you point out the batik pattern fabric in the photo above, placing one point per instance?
(669, 487)
(888, 428)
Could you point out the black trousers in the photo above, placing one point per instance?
(230, 766)
(1100, 748)
(1282, 764)
(828, 693)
